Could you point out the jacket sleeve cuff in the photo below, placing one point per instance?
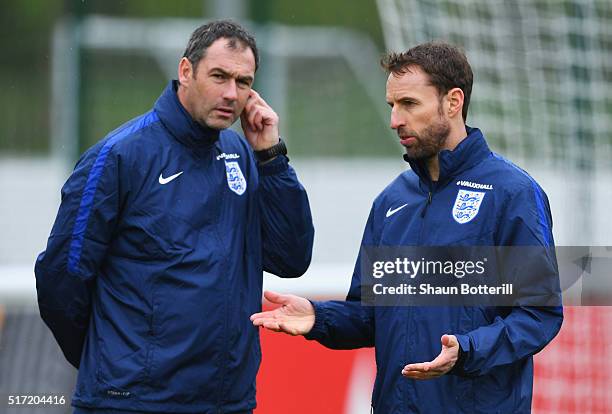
(319, 330)
(464, 349)
(277, 165)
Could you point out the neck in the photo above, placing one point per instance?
(180, 94)
(433, 167)
(455, 136)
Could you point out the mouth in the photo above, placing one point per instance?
(225, 112)
(408, 140)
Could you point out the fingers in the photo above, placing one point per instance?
(276, 298)
(284, 328)
(262, 315)
(417, 375)
(432, 366)
(267, 321)
(418, 371)
(422, 366)
(276, 326)
(270, 319)
(426, 370)
(423, 370)
(255, 119)
(257, 113)
(439, 363)
(255, 98)
(449, 340)
(252, 114)
(432, 369)
(443, 363)
(272, 325)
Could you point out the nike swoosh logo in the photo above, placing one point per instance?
(166, 180)
(395, 210)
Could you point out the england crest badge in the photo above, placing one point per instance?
(467, 205)
(235, 178)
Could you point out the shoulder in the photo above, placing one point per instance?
(128, 138)
(398, 189)
(525, 216)
(522, 195)
(508, 177)
(137, 135)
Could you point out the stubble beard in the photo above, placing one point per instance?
(429, 141)
(217, 124)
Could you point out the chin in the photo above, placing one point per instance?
(410, 152)
(219, 124)
(418, 155)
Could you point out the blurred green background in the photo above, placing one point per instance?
(327, 109)
(328, 112)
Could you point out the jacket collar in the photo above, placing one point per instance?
(468, 153)
(180, 124)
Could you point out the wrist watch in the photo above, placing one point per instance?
(277, 149)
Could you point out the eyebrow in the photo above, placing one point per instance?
(402, 99)
(245, 78)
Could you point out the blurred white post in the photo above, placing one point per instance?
(271, 79)
(65, 80)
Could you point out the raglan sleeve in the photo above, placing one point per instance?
(66, 270)
(287, 229)
(522, 331)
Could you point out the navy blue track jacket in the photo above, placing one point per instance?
(155, 261)
(495, 373)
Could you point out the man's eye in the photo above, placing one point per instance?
(217, 76)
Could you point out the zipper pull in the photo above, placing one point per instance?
(426, 205)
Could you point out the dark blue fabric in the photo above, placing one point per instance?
(543, 209)
(89, 191)
(148, 283)
(496, 372)
(542, 213)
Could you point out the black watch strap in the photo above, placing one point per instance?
(277, 149)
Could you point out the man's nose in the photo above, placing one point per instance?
(396, 119)
(231, 90)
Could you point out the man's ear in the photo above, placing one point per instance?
(454, 99)
(185, 71)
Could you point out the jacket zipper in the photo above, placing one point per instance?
(225, 305)
(427, 203)
(409, 314)
(424, 212)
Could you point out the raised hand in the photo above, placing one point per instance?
(295, 316)
(259, 123)
(443, 363)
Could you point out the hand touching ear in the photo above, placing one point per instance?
(259, 123)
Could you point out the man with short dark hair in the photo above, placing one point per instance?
(155, 260)
(457, 193)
